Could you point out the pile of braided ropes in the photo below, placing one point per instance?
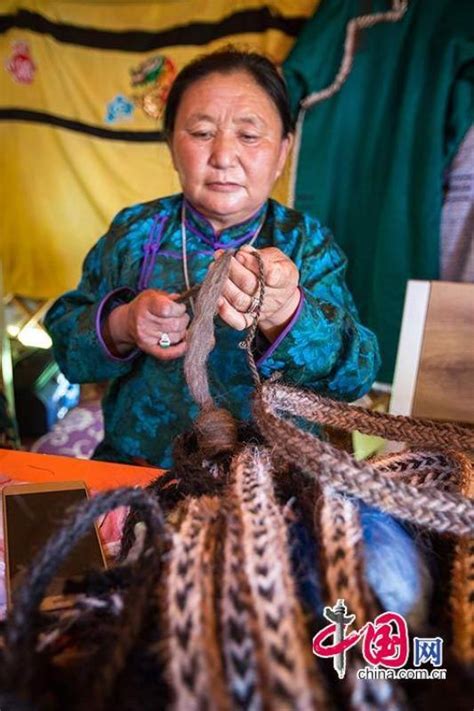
(215, 573)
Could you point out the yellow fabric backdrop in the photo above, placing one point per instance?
(61, 187)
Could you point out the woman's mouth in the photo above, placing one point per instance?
(223, 187)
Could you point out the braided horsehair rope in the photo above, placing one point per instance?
(462, 594)
(399, 8)
(429, 507)
(243, 611)
(194, 669)
(232, 632)
(290, 669)
(268, 661)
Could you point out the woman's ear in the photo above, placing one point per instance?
(169, 141)
(285, 149)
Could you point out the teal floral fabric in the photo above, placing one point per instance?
(148, 403)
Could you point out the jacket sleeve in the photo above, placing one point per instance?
(324, 347)
(75, 319)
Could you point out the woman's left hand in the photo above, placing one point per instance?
(281, 296)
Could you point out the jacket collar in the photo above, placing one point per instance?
(234, 236)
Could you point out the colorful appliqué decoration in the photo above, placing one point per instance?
(20, 64)
(154, 78)
(120, 108)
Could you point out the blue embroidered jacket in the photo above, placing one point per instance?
(324, 348)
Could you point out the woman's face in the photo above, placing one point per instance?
(227, 146)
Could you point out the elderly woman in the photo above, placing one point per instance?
(229, 131)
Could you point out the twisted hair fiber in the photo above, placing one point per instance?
(416, 431)
(216, 429)
(215, 580)
(436, 510)
(194, 668)
(291, 678)
(462, 590)
(240, 641)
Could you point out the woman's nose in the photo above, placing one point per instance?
(223, 151)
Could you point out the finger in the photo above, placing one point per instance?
(276, 276)
(164, 336)
(246, 256)
(233, 318)
(172, 324)
(237, 298)
(165, 307)
(170, 353)
(244, 278)
(163, 339)
(154, 324)
(278, 269)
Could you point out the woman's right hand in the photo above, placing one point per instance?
(142, 322)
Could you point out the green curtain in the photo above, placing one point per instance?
(373, 156)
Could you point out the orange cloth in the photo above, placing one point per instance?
(98, 476)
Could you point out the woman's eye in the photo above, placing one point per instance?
(249, 137)
(201, 134)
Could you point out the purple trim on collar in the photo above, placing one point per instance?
(178, 255)
(150, 250)
(213, 241)
(216, 244)
(110, 297)
(285, 331)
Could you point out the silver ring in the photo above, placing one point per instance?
(165, 341)
(254, 304)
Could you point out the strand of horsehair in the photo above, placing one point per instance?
(424, 468)
(193, 666)
(343, 555)
(215, 427)
(358, 690)
(422, 432)
(201, 339)
(343, 563)
(293, 683)
(436, 510)
(239, 641)
(19, 630)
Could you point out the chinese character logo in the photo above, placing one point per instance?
(20, 64)
(384, 642)
(339, 620)
(427, 650)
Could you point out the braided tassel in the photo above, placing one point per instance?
(343, 562)
(423, 468)
(342, 550)
(429, 507)
(290, 674)
(194, 668)
(239, 644)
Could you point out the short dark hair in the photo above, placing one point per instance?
(225, 61)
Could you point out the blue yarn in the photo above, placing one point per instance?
(305, 564)
(395, 567)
